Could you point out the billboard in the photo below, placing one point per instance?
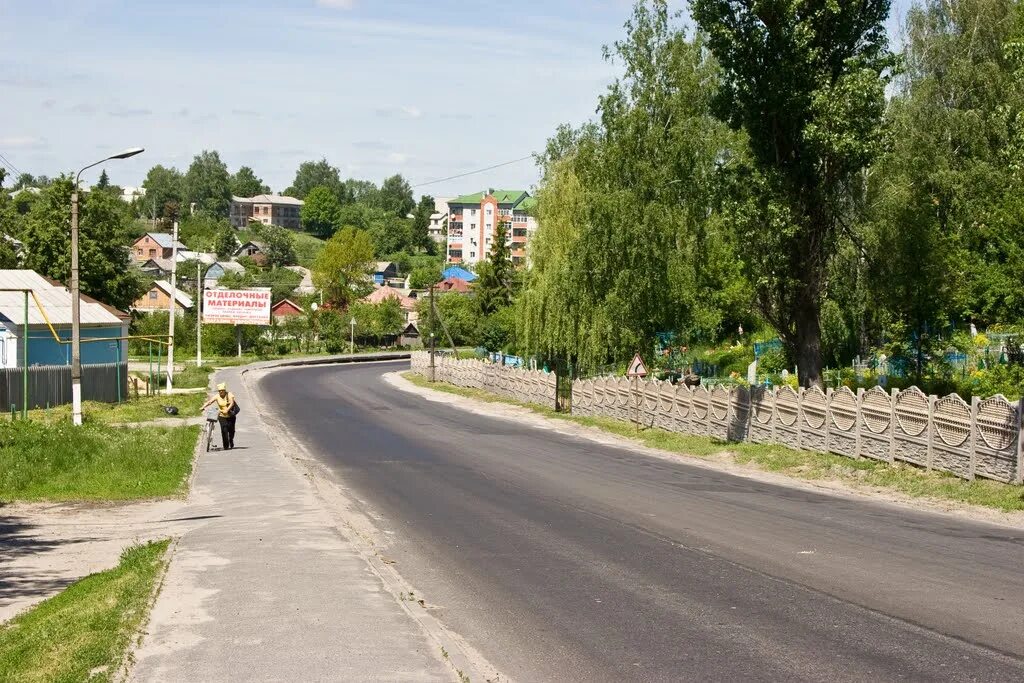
(237, 306)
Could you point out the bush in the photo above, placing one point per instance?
(772, 361)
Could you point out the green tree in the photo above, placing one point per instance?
(226, 242)
(457, 311)
(424, 276)
(361, 191)
(280, 247)
(494, 288)
(805, 80)
(105, 227)
(395, 196)
(420, 230)
(342, 268)
(208, 185)
(104, 181)
(390, 233)
(314, 174)
(245, 183)
(321, 212)
(165, 192)
(497, 332)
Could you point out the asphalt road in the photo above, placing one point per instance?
(563, 560)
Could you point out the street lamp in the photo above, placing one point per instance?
(76, 323)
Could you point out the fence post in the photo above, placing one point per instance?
(750, 414)
(829, 392)
(799, 416)
(1019, 475)
(975, 402)
(892, 425)
(858, 419)
(932, 398)
(775, 413)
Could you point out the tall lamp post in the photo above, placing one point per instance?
(76, 322)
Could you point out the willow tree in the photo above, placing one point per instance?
(625, 247)
(805, 80)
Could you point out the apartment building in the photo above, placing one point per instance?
(473, 218)
(268, 209)
(439, 220)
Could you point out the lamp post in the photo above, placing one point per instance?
(76, 322)
(352, 339)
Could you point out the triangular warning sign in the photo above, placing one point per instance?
(637, 367)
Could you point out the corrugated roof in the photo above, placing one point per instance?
(279, 199)
(509, 197)
(179, 296)
(56, 300)
(165, 240)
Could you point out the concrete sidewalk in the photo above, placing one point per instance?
(267, 589)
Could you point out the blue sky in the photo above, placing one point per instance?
(375, 86)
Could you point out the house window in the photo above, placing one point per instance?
(152, 295)
(472, 254)
(472, 212)
(490, 211)
(152, 252)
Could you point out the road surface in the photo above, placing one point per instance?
(562, 559)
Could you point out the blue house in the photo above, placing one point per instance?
(386, 270)
(98, 321)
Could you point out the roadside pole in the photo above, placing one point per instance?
(199, 314)
(637, 369)
(24, 364)
(170, 324)
(431, 378)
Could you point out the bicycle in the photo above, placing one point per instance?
(211, 425)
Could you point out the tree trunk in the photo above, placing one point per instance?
(808, 340)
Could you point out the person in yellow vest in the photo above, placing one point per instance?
(227, 410)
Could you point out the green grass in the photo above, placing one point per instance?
(191, 377)
(142, 409)
(900, 477)
(83, 633)
(60, 462)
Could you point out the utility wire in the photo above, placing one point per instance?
(9, 165)
(469, 173)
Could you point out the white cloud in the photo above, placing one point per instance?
(336, 4)
(20, 142)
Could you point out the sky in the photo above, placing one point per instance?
(429, 89)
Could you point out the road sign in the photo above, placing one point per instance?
(637, 367)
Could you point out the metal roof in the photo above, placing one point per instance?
(56, 299)
(165, 240)
(181, 297)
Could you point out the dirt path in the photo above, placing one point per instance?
(44, 547)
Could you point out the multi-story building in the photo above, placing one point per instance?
(473, 218)
(439, 220)
(268, 209)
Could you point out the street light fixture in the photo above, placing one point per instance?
(76, 323)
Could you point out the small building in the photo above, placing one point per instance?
(410, 335)
(385, 270)
(268, 209)
(158, 298)
(454, 284)
(382, 294)
(155, 245)
(98, 322)
(250, 249)
(285, 308)
(156, 267)
(217, 270)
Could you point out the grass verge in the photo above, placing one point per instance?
(142, 409)
(60, 462)
(83, 633)
(901, 477)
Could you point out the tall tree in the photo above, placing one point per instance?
(321, 212)
(280, 246)
(420, 229)
(226, 242)
(395, 196)
(104, 181)
(245, 183)
(105, 228)
(361, 191)
(805, 80)
(313, 174)
(342, 268)
(165, 191)
(494, 287)
(208, 185)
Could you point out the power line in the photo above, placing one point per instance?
(469, 173)
(9, 165)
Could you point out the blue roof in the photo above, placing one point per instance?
(460, 273)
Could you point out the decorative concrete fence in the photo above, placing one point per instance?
(526, 386)
(982, 438)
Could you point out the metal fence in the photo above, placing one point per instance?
(50, 385)
(980, 438)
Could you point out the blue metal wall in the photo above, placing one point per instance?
(44, 350)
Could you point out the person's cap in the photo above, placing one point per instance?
(222, 387)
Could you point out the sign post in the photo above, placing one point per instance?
(637, 369)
